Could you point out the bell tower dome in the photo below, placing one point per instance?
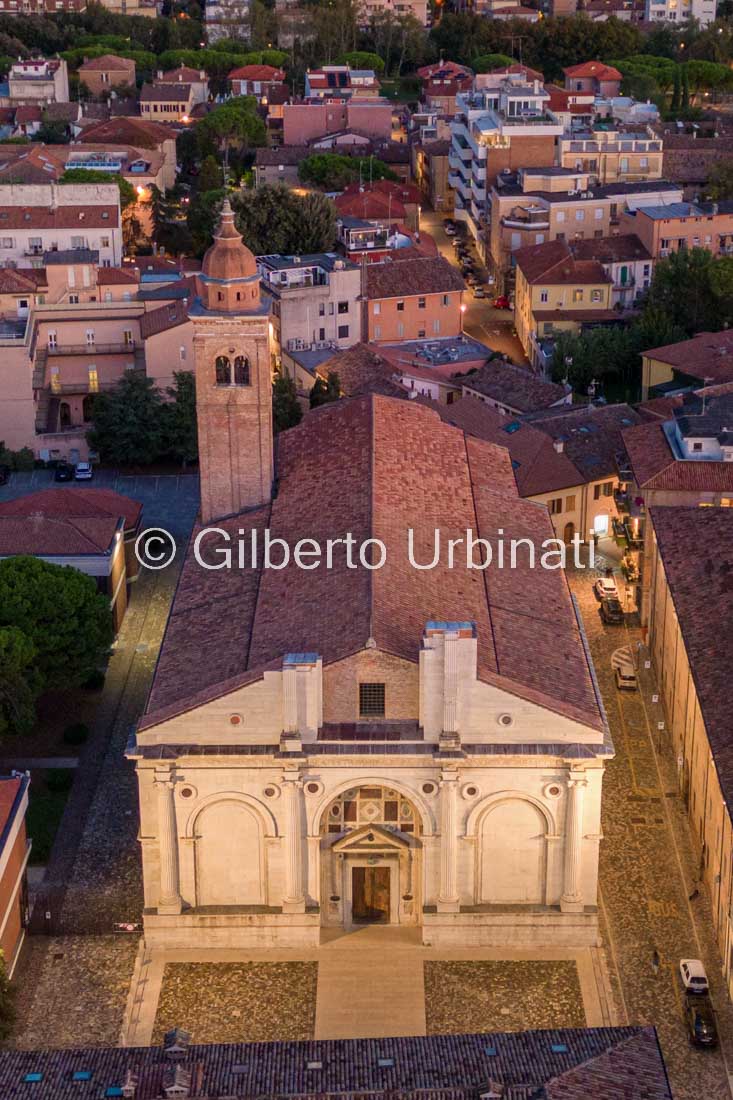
(233, 377)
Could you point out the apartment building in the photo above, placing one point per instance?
(227, 19)
(546, 204)
(100, 74)
(166, 102)
(38, 82)
(39, 218)
(341, 80)
(40, 7)
(497, 130)
(680, 11)
(307, 121)
(154, 141)
(196, 79)
(430, 171)
(609, 154)
(441, 83)
(594, 78)
(315, 303)
(668, 229)
(417, 9)
(624, 259)
(256, 80)
(412, 299)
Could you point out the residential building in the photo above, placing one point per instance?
(705, 359)
(101, 74)
(381, 200)
(360, 653)
(38, 82)
(417, 9)
(563, 457)
(304, 122)
(508, 9)
(256, 80)
(594, 77)
(41, 7)
(441, 83)
(168, 102)
(435, 367)
(624, 259)
(92, 530)
(361, 369)
(15, 849)
(513, 390)
(554, 293)
(374, 238)
(576, 110)
(315, 303)
(495, 131)
(148, 137)
(611, 155)
(430, 170)
(146, 8)
(412, 299)
(668, 229)
(689, 626)
(627, 1060)
(39, 218)
(670, 11)
(546, 204)
(227, 19)
(341, 80)
(196, 79)
(628, 113)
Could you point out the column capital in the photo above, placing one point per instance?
(576, 781)
(448, 776)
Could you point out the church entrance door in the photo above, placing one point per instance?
(370, 895)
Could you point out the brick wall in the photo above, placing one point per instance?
(341, 685)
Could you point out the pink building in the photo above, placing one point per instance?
(257, 80)
(667, 229)
(593, 76)
(309, 120)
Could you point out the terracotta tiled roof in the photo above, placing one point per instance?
(696, 548)
(555, 264)
(607, 250)
(514, 386)
(165, 93)
(362, 370)
(257, 72)
(184, 74)
(75, 502)
(428, 275)
(655, 466)
(167, 317)
(405, 193)
(28, 280)
(706, 356)
(30, 113)
(108, 62)
(67, 537)
(118, 276)
(370, 204)
(141, 132)
(63, 217)
(563, 1064)
(593, 68)
(399, 468)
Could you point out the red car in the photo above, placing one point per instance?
(502, 302)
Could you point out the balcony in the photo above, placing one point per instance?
(93, 349)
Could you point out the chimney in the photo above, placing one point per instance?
(559, 445)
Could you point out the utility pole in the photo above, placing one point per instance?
(511, 39)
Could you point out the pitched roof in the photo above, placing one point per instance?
(554, 263)
(514, 386)
(108, 62)
(184, 74)
(569, 1063)
(370, 204)
(63, 217)
(424, 275)
(25, 281)
(362, 370)
(709, 355)
(655, 466)
(607, 250)
(165, 93)
(258, 72)
(593, 68)
(696, 548)
(57, 537)
(140, 132)
(118, 276)
(75, 502)
(400, 469)
(167, 317)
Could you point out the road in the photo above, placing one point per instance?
(494, 327)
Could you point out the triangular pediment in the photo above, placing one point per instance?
(371, 837)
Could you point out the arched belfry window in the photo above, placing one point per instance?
(223, 371)
(241, 371)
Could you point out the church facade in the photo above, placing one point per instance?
(360, 740)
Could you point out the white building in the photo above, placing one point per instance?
(680, 11)
(329, 747)
(50, 217)
(38, 82)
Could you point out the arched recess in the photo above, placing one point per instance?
(241, 371)
(223, 370)
(426, 814)
(512, 856)
(483, 807)
(269, 824)
(229, 854)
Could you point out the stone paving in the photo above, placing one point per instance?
(228, 1002)
(72, 991)
(501, 995)
(648, 872)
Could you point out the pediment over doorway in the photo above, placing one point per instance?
(372, 838)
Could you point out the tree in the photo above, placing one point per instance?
(210, 176)
(275, 219)
(488, 62)
(676, 100)
(324, 391)
(361, 59)
(17, 694)
(202, 218)
(180, 428)
(685, 100)
(127, 422)
(286, 409)
(334, 172)
(234, 126)
(720, 180)
(681, 288)
(53, 132)
(63, 617)
(128, 194)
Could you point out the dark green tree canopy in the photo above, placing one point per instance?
(334, 172)
(275, 219)
(286, 410)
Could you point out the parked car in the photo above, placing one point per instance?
(83, 471)
(450, 230)
(626, 678)
(479, 292)
(700, 1020)
(502, 302)
(605, 588)
(694, 978)
(4, 475)
(611, 611)
(64, 472)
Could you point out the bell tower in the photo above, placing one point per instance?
(233, 378)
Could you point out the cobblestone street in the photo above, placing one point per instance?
(503, 995)
(648, 871)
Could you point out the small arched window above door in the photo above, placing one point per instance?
(241, 371)
(223, 371)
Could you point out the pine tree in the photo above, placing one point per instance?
(324, 391)
(286, 410)
(676, 90)
(685, 101)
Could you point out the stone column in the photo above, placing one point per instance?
(169, 900)
(294, 899)
(448, 896)
(572, 896)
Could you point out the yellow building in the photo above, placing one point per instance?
(556, 293)
(705, 359)
(612, 156)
